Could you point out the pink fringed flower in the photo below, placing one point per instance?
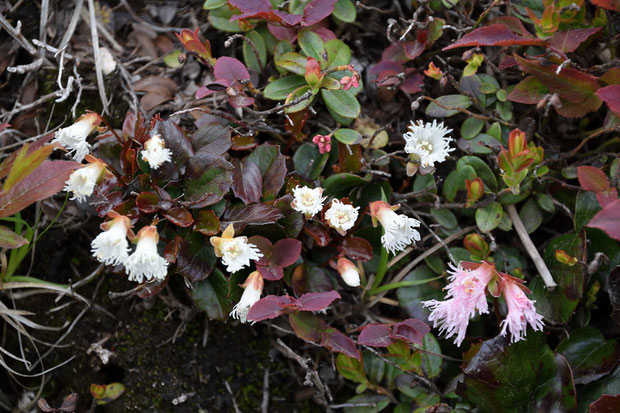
(521, 311)
(466, 295)
(324, 142)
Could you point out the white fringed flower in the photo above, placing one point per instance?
(236, 252)
(73, 138)
(155, 153)
(398, 229)
(111, 247)
(341, 216)
(145, 262)
(429, 141)
(253, 288)
(349, 272)
(308, 201)
(521, 312)
(82, 181)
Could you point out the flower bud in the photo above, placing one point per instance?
(349, 272)
(433, 71)
(477, 246)
(475, 190)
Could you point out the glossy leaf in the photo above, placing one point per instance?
(207, 223)
(342, 102)
(247, 181)
(254, 214)
(211, 296)
(272, 165)
(356, 248)
(207, 180)
(340, 343)
(279, 89)
(495, 35)
(592, 179)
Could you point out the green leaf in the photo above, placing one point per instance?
(482, 170)
(307, 326)
(471, 127)
(9, 239)
(296, 95)
(431, 358)
(545, 202)
(341, 102)
(106, 393)
(350, 368)
(220, 19)
(248, 52)
(207, 180)
(456, 181)
(531, 216)
(410, 298)
(348, 136)
(520, 377)
(445, 218)
(211, 296)
(589, 354)
(451, 102)
(586, 206)
(338, 53)
(308, 161)
(279, 89)
(558, 305)
(345, 11)
(609, 384)
(172, 59)
(312, 45)
(293, 62)
(374, 403)
(213, 4)
(341, 184)
(489, 217)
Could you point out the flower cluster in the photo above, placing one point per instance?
(111, 247)
(467, 296)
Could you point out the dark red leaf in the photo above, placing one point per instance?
(271, 273)
(566, 42)
(147, 202)
(179, 216)
(307, 326)
(272, 306)
(250, 8)
(212, 135)
(316, 11)
(176, 140)
(266, 248)
(356, 248)
(606, 404)
(255, 214)
(412, 84)
(44, 406)
(43, 182)
(247, 181)
(611, 96)
(286, 251)
(494, 35)
(338, 342)
(69, 404)
(318, 232)
(608, 220)
(317, 301)
(529, 91)
(613, 5)
(282, 33)
(171, 250)
(375, 335)
(411, 330)
(592, 179)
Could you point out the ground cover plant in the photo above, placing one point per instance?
(321, 205)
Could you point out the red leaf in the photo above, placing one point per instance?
(611, 96)
(147, 202)
(230, 69)
(4, 126)
(356, 248)
(43, 182)
(316, 11)
(494, 35)
(272, 306)
(247, 181)
(412, 84)
(282, 33)
(286, 251)
(411, 330)
(606, 404)
(569, 41)
(179, 216)
(254, 214)
(529, 91)
(338, 342)
(271, 273)
(592, 179)
(318, 232)
(608, 220)
(307, 326)
(613, 5)
(607, 197)
(250, 8)
(317, 301)
(375, 335)
(266, 248)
